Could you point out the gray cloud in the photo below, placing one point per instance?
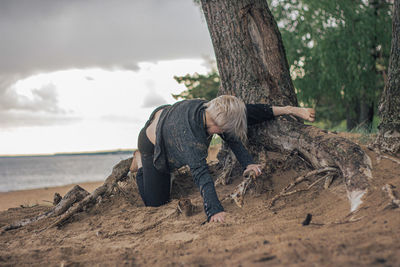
(39, 109)
(43, 99)
(47, 35)
(12, 119)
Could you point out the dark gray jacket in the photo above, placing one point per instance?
(182, 139)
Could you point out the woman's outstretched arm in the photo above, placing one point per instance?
(304, 113)
(258, 113)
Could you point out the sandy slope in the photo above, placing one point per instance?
(119, 233)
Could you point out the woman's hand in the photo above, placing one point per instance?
(218, 217)
(253, 167)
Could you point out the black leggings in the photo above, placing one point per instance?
(154, 186)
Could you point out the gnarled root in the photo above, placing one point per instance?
(380, 156)
(229, 162)
(394, 201)
(299, 179)
(240, 191)
(322, 149)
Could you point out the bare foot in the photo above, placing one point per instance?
(136, 161)
(305, 113)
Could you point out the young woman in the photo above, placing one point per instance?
(179, 134)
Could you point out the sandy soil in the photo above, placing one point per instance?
(116, 232)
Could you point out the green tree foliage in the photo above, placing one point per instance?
(199, 85)
(338, 52)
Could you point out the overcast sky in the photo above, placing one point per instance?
(84, 75)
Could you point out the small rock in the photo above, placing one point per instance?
(307, 220)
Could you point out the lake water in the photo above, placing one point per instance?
(18, 173)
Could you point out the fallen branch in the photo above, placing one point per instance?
(76, 194)
(65, 208)
(299, 180)
(394, 201)
(119, 172)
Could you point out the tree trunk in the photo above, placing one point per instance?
(352, 113)
(388, 139)
(366, 115)
(252, 65)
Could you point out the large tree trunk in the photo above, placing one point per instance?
(252, 64)
(388, 139)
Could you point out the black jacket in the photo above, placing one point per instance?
(182, 139)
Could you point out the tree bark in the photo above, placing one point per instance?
(253, 66)
(388, 139)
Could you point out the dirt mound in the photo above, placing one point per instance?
(121, 231)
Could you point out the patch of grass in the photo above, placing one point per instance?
(216, 140)
(361, 134)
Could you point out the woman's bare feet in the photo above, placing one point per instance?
(304, 113)
(136, 161)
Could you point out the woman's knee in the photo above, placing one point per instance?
(156, 202)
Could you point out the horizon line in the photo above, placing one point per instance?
(69, 153)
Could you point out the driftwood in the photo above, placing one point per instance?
(76, 194)
(299, 180)
(65, 209)
(119, 172)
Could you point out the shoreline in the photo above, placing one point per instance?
(44, 195)
(41, 196)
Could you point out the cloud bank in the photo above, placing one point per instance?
(46, 35)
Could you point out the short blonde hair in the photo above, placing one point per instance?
(229, 113)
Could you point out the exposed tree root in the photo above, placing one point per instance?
(391, 158)
(379, 156)
(240, 191)
(321, 149)
(388, 142)
(394, 201)
(299, 180)
(77, 195)
(228, 164)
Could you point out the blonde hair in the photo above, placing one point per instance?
(229, 113)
